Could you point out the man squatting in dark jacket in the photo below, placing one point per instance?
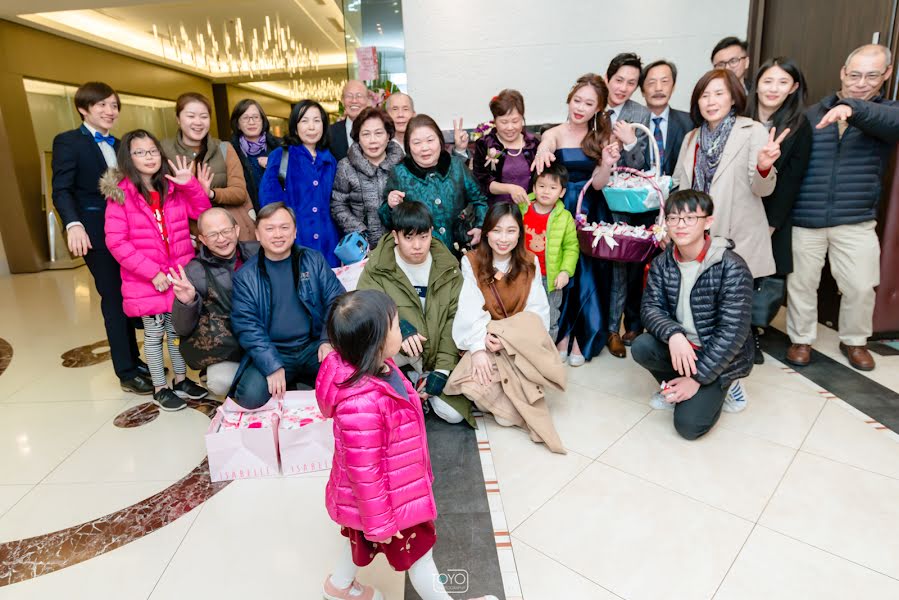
(696, 309)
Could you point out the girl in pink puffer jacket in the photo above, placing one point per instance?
(380, 485)
(148, 206)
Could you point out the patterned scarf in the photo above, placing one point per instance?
(253, 148)
(711, 147)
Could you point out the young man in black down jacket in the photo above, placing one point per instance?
(696, 309)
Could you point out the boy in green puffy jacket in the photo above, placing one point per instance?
(551, 235)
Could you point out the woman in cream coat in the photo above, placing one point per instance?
(732, 159)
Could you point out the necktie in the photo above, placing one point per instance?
(657, 134)
(100, 138)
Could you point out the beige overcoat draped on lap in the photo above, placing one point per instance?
(528, 363)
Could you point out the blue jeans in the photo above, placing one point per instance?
(300, 366)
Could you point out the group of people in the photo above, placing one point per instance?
(475, 291)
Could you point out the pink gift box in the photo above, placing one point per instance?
(242, 452)
(305, 437)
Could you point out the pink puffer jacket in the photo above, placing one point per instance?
(133, 239)
(381, 475)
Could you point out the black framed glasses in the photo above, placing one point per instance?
(730, 64)
(688, 220)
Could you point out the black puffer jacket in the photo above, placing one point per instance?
(842, 184)
(721, 301)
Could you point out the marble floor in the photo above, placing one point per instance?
(794, 498)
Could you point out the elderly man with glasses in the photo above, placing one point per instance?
(835, 214)
(355, 98)
(201, 312)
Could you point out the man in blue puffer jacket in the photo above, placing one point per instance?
(836, 211)
(279, 307)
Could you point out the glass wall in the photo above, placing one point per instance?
(378, 24)
(53, 111)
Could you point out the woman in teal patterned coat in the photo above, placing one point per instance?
(430, 175)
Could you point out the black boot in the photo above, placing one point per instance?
(759, 358)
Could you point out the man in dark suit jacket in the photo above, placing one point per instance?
(80, 157)
(622, 78)
(355, 98)
(667, 124)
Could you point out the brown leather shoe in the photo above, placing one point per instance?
(616, 346)
(858, 356)
(629, 337)
(799, 354)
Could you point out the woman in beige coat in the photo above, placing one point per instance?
(731, 158)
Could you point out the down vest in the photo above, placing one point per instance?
(381, 475)
(842, 184)
(133, 238)
(721, 301)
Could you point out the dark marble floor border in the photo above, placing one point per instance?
(465, 536)
(32, 557)
(875, 400)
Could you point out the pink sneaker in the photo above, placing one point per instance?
(356, 591)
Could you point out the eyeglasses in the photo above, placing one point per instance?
(730, 64)
(213, 236)
(689, 220)
(250, 119)
(356, 96)
(142, 153)
(855, 77)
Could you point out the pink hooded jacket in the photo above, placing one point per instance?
(381, 474)
(133, 238)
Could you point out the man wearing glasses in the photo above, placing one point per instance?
(733, 54)
(201, 312)
(355, 98)
(836, 211)
(696, 309)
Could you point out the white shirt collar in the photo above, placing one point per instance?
(665, 114)
(91, 129)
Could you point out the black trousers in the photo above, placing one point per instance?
(119, 328)
(633, 279)
(300, 366)
(695, 417)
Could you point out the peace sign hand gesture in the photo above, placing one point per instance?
(185, 291)
(460, 136)
(183, 171)
(770, 152)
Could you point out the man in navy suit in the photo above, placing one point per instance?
(80, 157)
(669, 126)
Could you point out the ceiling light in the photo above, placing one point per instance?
(271, 49)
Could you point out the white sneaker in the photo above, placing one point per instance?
(658, 402)
(736, 398)
(564, 356)
(576, 360)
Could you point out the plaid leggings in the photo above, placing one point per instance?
(155, 327)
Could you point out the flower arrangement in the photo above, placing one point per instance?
(482, 130)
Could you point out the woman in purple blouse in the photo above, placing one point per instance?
(502, 158)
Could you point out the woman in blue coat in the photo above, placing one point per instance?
(306, 187)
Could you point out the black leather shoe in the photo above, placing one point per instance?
(140, 385)
(143, 369)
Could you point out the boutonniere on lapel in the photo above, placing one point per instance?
(493, 158)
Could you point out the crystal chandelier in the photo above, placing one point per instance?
(234, 53)
(321, 91)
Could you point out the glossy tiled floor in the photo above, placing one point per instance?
(794, 498)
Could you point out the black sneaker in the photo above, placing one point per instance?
(167, 400)
(759, 358)
(138, 384)
(189, 389)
